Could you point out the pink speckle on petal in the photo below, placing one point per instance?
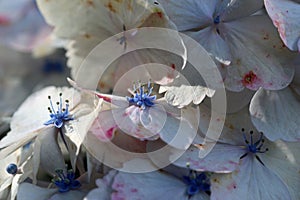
(232, 186)
(110, 132)
(4, 21)
(134, 190)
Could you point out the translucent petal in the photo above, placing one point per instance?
(275, 113)
(251, 180)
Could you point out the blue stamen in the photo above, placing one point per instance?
(141, 98)
(196, 183)
(66, 181)
(61, 115)
(254, 147)
(217, 20)
(12, 169)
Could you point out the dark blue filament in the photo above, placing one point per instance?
(196, 183)
(141, 98)
(66, 181)
(12, 169)
(254, 147)
(59, 116)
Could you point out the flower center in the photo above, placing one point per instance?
(254, 147)
(141, 98)
(12, 169)
(65, 181)
(196, 183)
(249, 78)
(59, 116)
(217, 20)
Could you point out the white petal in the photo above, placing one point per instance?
(283, 159)
(184, 95)
(260, 59)
(48, 153)
(275, 113)
(222, 159)
(178, 133)
(152, 185)
(232, 130)
(213, 43)
(239, 9)
(190, 14)
(251, 180)
(29, 191)
(76, 195)
(285, 16)
(104, 190)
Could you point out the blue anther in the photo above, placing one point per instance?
(196, 183)
(12, 169)
(141, 98)
(59, 116)
(66, 181)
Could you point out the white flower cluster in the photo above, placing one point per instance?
(165, 138)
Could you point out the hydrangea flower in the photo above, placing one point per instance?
(143, 117)
(106, 19)
(45, 126)
(285, 16)
(236, 36)
(259, 168)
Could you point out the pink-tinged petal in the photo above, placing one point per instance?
(260, 57)
(104, 126)
(275, 113)
(251, 180)
(285, 16)
(153, 185)
(212, 41)
(153, 118)
(283, 159)
(222, 159)
(128, 120)
(239, 9)
(190, 14)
